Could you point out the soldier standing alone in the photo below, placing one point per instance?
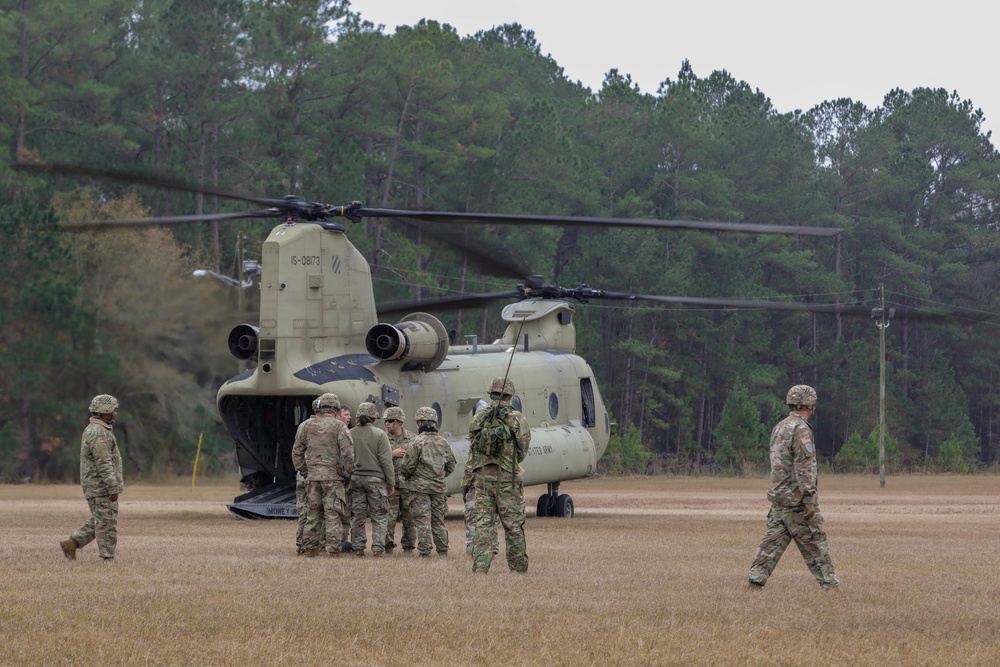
(102, 481)
(794, 513)
(324, 454)
(399, 505)
(425, 466)
(372, 483)
(499, 437)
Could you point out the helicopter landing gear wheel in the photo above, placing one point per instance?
(555, 504)
(543, 504)
(564, 506)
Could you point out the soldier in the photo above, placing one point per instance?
(372, 483)
(345, 415)
(301, 492)
(794, 513)
(324, 453)
(499, 437)
(345, 546)
(399, 505)
(424, 468)
(102, 481)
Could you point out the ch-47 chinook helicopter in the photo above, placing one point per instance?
(320, 330)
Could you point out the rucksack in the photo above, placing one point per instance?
(489, 436)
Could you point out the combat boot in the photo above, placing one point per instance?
(334, 554)
(69, 548)
(359, 553)
(389, 550)
(310, 553)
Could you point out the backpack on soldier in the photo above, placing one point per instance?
(492, 432)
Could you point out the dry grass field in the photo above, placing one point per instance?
(651, 571)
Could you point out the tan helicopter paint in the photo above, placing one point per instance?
(316, 310)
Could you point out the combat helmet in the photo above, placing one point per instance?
(326, 403)
(394, 412)
(368, 410)
(103, 404)
(502, 386)
(801, 394)
(426, 414)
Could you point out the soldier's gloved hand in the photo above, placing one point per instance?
(810, 512)
(113, 497)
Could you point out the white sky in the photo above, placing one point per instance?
(797, 53)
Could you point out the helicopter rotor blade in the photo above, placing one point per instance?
(581, 221)
(138, 179)
(453, 302)
(156, 222)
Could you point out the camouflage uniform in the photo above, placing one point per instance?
(373, 474)
(101, 478)
(497, 483)
(399, 504)
(301, 488)
(324, 453)
(792, 490)
(426, 465)
(469, 500)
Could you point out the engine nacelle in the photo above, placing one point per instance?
(243, 341)
(419, 340)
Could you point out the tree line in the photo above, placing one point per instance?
(276, 97)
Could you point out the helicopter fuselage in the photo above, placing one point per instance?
(318, 332)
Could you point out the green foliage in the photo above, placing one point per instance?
(626, 454)
(306, 98)
(860, 454)
(959, 452)
(740, 432)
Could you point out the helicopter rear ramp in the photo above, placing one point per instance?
(271, 501)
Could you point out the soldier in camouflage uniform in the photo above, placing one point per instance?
(499, 437)
(301, 492)
(794, 513)
(345, 545)
(399, 505)
(102, 481)
(424, 468)
(373, 481)
(324, 454)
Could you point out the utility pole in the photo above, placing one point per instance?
(882, 318)
(240, 277)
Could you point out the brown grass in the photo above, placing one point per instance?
(651, 571)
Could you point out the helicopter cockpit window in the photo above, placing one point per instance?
(516, 402)
(553, 405)
(479, 406)
(437, 409)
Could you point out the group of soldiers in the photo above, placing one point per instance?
(348, 476)
(353, 476)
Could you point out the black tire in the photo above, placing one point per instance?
(564, 506)
(543, 504)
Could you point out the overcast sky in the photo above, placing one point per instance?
(797, 53)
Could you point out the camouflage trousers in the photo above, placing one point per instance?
(470, 523)
(301, 487)
(785, 525)
(102, 525)
(501, 499)
(428, 511)
(326, 503)
(399, 512)
(369, 499)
